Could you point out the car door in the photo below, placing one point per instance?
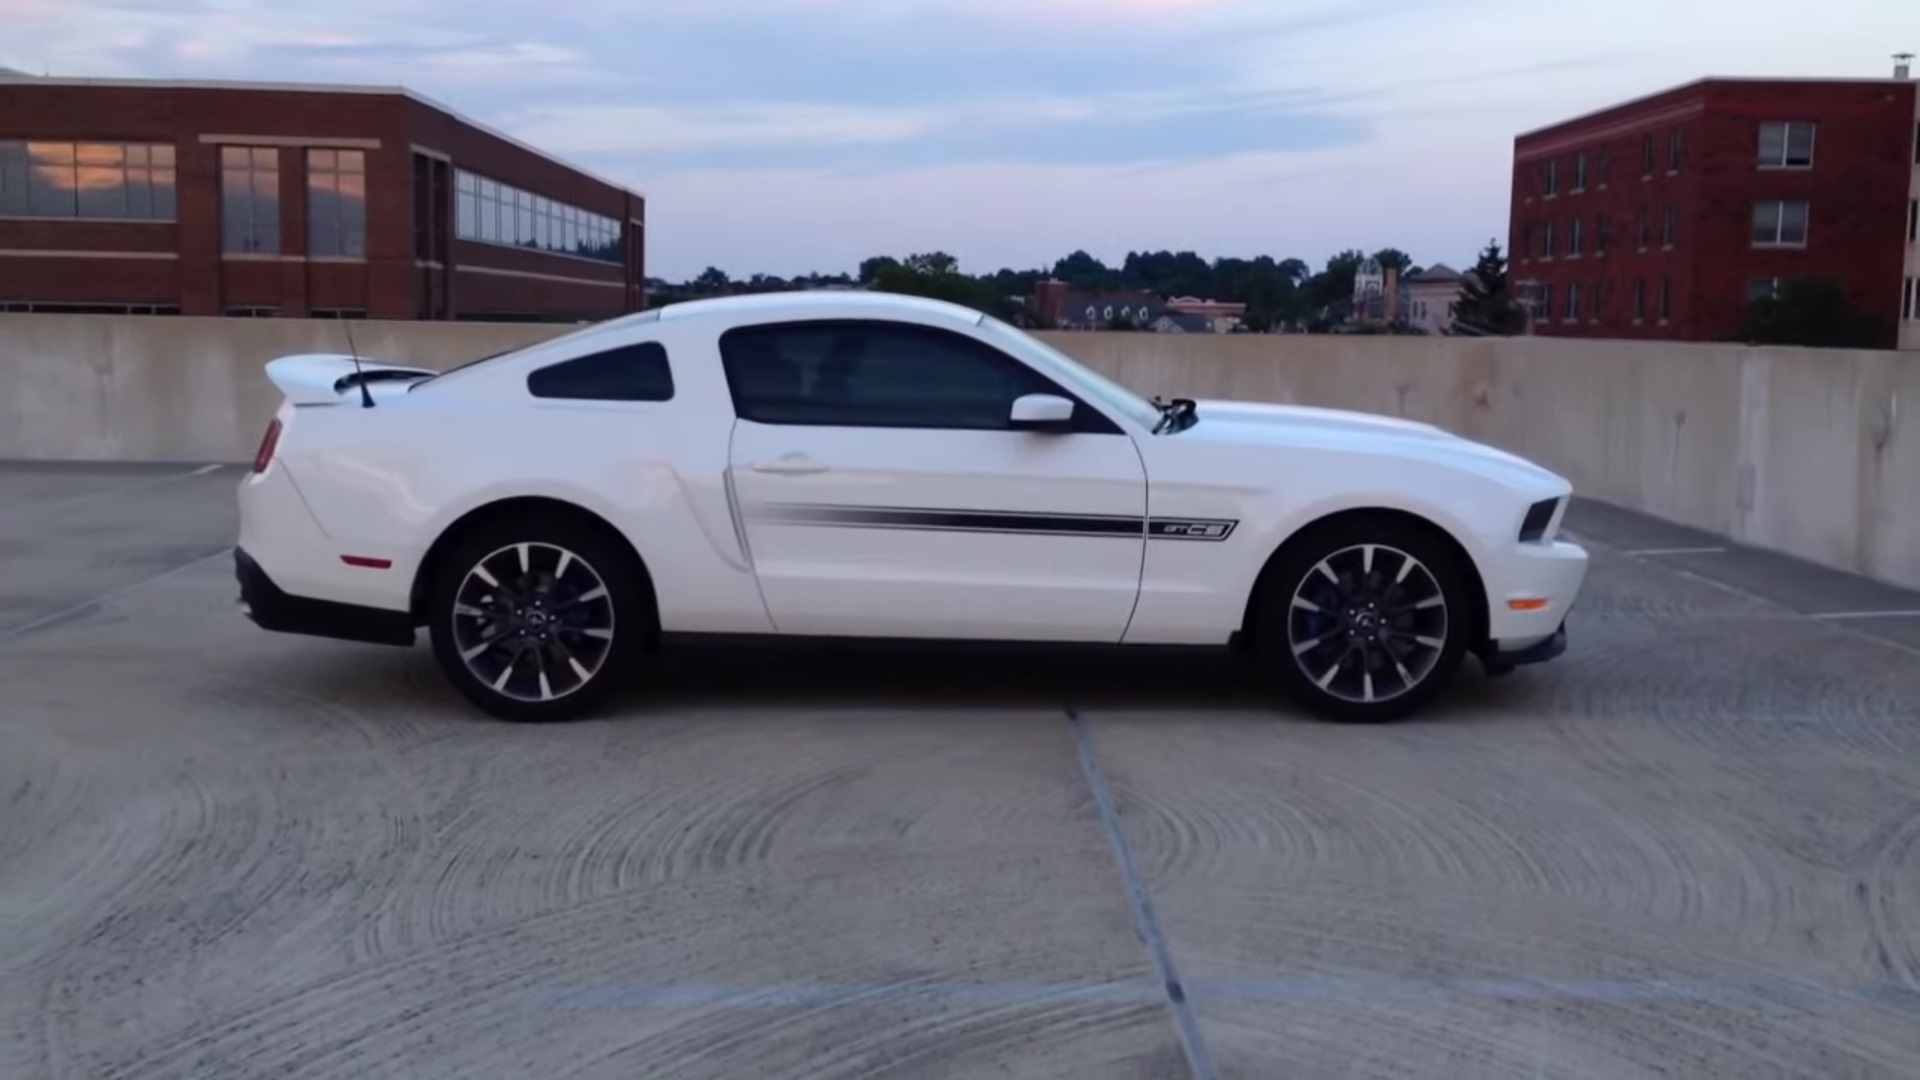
(884, 489)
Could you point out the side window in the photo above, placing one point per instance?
(879, 374)
(629, 373)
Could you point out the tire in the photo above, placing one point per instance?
(537, 620)
(1346, 647)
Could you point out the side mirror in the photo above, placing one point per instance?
(1042, 412)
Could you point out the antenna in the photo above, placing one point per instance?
(359, 376)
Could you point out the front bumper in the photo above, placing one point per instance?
(270, 608)
(1498, 662)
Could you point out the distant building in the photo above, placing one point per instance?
(1220, 316)
(1433, 296)
(1379, 296)
(1092, 309)
(253, 199)
(1184, 324)
(1664, 217)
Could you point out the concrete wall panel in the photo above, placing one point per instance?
(1812, 452)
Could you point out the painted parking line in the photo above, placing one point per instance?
(1199, 1062)
(85, 607)
(1657, 552)
(1838, 616)
(112, 493)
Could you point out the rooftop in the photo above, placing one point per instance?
(9, 75)
(1701, 86)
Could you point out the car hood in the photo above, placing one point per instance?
(1306, 426)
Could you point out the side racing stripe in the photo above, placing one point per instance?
(1024, 523)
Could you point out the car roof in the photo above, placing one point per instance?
(819, 304)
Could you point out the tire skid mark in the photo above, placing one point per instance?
(847, 1041)
(1417, 933)
(1890, 890)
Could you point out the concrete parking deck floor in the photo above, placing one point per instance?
(1691, 847)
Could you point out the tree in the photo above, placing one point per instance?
(1486, 304)
(1814, 312)
(1393, 259)
(936, 275)
(870, 269)
(712, 280)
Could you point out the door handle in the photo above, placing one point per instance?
(790, 464)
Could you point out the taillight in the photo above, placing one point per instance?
(268, 443)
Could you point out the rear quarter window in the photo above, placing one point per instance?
(637, 372)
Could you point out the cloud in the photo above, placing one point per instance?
(785, 135)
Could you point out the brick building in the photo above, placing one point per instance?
(254, 199)
(1664, 217)
(1069, 308)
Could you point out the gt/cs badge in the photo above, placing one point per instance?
(1180, 529)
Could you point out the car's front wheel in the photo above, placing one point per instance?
(1365, 620)
(534, 620)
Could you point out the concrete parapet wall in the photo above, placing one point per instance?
(1812, 452)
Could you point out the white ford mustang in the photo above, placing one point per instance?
(871, 466)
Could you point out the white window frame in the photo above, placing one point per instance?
(1787, 128)
(1780, 223)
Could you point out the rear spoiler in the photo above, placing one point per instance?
(325, 378)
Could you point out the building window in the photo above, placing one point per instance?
(1666, 298)
(1646, 228)
(1639, 299)
(1676, 151)
(1646, 157)
(1780, 224)
(1669, 226)
(1595, 298)
(1573, 301)
(466, 187)
(1765, 288)
(253, 312)
(1606, 167)
(1785, 145)
(1580, 172)
(1546, 241)
(1916, 144)
(495, 213)
(337, 203)
(1913, 220)
(1576, 238)
(1553, 178)
(1602, 234)
(1546, 301)
(96, 181)
(250, 200)
(1910, 311)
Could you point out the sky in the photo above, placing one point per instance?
(788, 136)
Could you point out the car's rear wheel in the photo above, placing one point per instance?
(535, 620)
(1365, 620)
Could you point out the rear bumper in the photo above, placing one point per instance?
(270, 608)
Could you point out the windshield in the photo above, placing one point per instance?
(1077, 377)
